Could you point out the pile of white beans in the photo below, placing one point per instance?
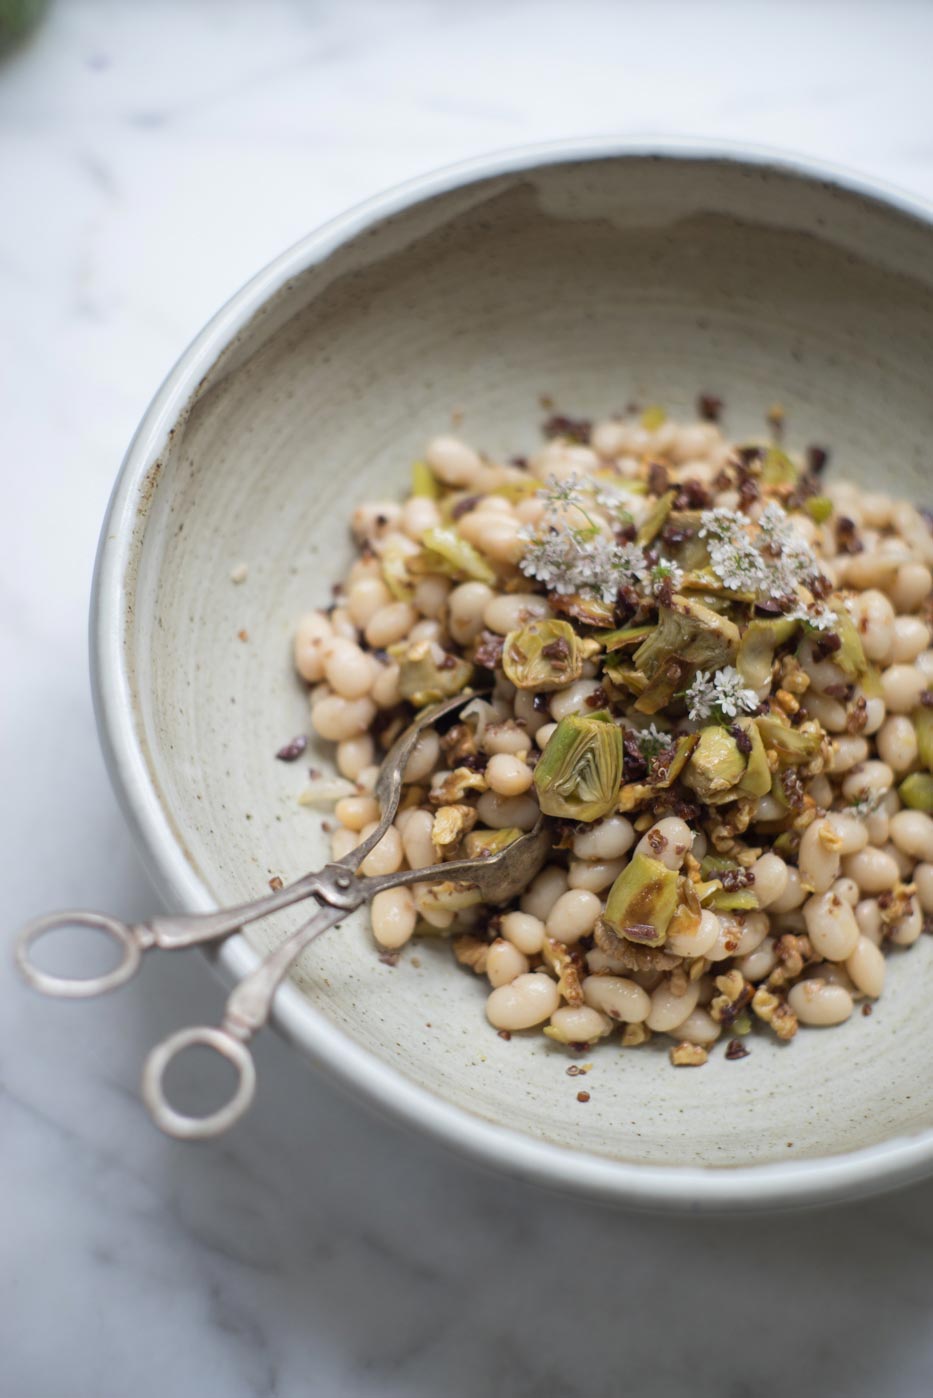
(838, 895)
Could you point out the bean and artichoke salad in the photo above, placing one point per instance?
(706, 663)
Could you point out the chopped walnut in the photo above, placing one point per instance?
(786, 701)
(793, 677)
(679, 982)
(729, 821)
(630, 955)
(775, 1013)
(635, 1034)
(567, 965)
(793, 952)
(686, 1055)
(455, 785)
(451, 823)
(458, 743)
(735, 994)
(470, 951)
(896, 905)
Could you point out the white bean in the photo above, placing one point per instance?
(347, 668)
(528, 1000)
(356, 811)
(905, 932)
(580, 1024)
(848, 890)
(452, 461)
(818, 1002)
(353, 754)
(923, 878)
(573, 915)
(669, 841)
(697, 943)
(543, 891)
(831, 926)
(504, 812)
(818, 860)
(508, 775)
(594, 874)
(793, 895)
(385, 690)
(393, 917)
(336, 719)
(618, 997)
(911, 587)
(505, 737)
(911, 637)
(912, 832)
(385, 857)
(312, 633)
(848, 751)
(366, 598)
(668, 1009)
(416, 840)
(524, 932)
(465, 608)
(573, 699)
(698, 1028)
(760, 962)
(872, 869)
(504, 962)
(851, 831)
(866, 966)
(609, 838)
(510, 610)
(424, 756)
(390, 624)
(901, 687)
(868, 781)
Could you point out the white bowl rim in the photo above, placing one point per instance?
(688, 1188)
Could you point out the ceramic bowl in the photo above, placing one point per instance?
(596, 274)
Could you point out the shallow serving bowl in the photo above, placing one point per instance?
(596, 274)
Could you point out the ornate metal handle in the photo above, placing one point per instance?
(131, 940)
(247, 1010)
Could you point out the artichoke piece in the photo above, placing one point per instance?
(667, 766)
(449, 897)
(445, 551)
(819, 508)
(579, 774)
(424, 483)
(428, 674)
(794, 746)
(590, 611)
(653, 417)
(656, 518)
(543, 655)
(778, 469)
(760, 640)
(395, 575)
(693, 636)
(627, 636)
(740, 900)
(728, 763)
(643, 901)
(691, 553)
(916, 791)
(850, 657)
(483, 844)
(923, 727)
(517, 489)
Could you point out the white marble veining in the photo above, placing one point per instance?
(153, 155)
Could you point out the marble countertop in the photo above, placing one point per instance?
(152, 156)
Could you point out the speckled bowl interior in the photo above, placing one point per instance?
(596, 280)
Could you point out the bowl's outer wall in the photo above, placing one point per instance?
(597, 283)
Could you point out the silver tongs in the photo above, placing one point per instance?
(337, 889)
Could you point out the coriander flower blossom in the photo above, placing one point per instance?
(723, 694)
(557, 494)
(665, 572)
(567, 561)
(651, 740)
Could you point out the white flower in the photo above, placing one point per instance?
(739, 565)
(817, 616)
(652, 740)
(575, 560)
(724, 525)
(701, 696)
(665, 572)
(560, 494)
(723, 694)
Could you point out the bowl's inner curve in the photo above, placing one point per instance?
(598, 284)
